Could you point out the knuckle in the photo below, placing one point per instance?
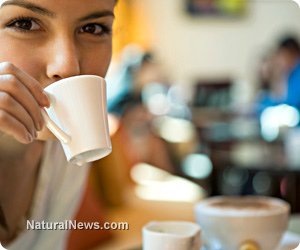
(7, 67)
(6, 99)
(3, 116)
(12, 81)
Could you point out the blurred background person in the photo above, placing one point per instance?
(272, 86)
(279, 76)
(288, 56)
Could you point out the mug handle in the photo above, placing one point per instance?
(55, 129)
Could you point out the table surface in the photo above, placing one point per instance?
(138, 212)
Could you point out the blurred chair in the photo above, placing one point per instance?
(110, 175)
(213, 94)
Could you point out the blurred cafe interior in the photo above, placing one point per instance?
(199, 105)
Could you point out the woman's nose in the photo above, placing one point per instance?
(63, 60)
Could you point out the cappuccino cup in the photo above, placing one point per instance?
(77, 116)
(242, 223)
(171, 235)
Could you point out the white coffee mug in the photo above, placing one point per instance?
(77, 116)
(242, 223)
(171, 235)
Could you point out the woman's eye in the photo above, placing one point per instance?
(95, 29)
(24, 24)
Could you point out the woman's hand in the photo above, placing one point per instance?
(21, 99)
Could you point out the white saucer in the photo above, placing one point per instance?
(289, 241)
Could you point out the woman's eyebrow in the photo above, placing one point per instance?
(29, 6)
(97, 14)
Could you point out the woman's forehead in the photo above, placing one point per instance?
(62, 5)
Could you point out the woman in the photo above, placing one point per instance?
(42, 41)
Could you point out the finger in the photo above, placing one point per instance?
(16, 110)
(11, 85)
(12, 126)
(31, 84)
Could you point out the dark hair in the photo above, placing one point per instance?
(290, 43)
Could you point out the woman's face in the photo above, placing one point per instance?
(51, 40)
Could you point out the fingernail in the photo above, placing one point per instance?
(34, 134)
(29, 137)
(40, 125)
(46, 99)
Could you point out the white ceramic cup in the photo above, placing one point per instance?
(171, 235)
(77, 116)
(242, 223)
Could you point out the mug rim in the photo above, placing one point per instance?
(62, 81)
(195, 228)
(282, 207)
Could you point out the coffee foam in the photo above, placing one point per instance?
(242, 206)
